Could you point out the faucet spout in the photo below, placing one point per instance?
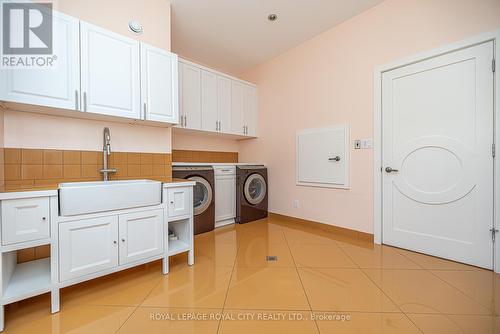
(106, 151)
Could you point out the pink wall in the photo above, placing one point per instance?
(39, 131)
(328, 80)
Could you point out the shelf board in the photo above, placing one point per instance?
(177, 246)
(29, 279)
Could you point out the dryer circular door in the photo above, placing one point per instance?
(255, 189)
(202, 194)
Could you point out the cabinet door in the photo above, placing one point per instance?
(141, 235)
(190, 92)
(237, 122)
(25, 220)
(225, 197)
(179, 202)
(224, 103)
(250, 110)
(209, 117)
(58, 86)
(159, 85)
(87, 246)
(109, 73)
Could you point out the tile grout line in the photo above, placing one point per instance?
(230, 278)
(381, 290)
(139, 304)
(430, 271)
(300, 279)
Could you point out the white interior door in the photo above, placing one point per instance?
(109, 73)
(159, 84)
(437, 136)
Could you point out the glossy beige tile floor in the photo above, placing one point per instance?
(350, 286)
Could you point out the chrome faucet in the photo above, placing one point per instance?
(106, 151)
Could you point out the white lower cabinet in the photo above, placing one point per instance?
(91, 245)
(25, 219)
(87, 246)
(225, 194)
(179, 202)
(141, 235)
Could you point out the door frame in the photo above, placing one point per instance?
(493, 36)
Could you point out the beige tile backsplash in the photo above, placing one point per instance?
(23, 169)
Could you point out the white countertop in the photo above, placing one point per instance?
(216, 163)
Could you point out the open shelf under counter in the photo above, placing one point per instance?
(28, 279)
(177, 246)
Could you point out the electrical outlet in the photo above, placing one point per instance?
(367, 143)
(357, 144)
(296, 204)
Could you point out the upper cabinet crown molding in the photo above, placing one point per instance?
(215, 102)
(100, 74)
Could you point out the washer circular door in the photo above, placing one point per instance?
(255, 189)
(202, 194)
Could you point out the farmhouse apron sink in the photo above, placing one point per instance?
(76, 198)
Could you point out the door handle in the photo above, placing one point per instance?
(76, 99)
(337, 158)
(390, 170)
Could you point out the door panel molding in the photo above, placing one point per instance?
(493, 36)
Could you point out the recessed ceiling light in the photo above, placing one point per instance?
(272, 17)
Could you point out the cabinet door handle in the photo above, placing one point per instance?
(185, 120)
(145, 110)
(84, 101)
(216, 125)
(76, 99)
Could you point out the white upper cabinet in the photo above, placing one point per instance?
(110, 72)
(190, 95)
(57, 86)
(209, 112)
(215, 102)
(159, 85)
(224, 103)
(250, 110)
(237, 110)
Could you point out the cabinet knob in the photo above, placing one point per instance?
(44, 218)
(114, 241)
(123, 240)
(171, 202)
